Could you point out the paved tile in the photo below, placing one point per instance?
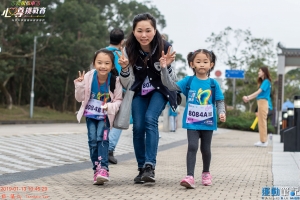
(239, 171)
(26, 151)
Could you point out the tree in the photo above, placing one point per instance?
(239, 50)
(78, 28)
(291, 85)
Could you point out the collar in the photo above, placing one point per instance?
(111, 48)
(144, 54)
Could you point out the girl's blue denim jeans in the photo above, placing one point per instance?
(97, 143)
(145, 112)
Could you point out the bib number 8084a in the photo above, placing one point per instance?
(197, 114)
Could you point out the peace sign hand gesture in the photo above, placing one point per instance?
(170, 57)
(123, 61)
(163, 60)
(81, 77)
(167, 59)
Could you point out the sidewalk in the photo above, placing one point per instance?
(239, 171)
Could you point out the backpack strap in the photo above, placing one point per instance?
(115, 54)
(112, 84)
(188, 87)
(116, 50)
(213, 86)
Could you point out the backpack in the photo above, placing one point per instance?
(212, 85)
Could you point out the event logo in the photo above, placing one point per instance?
(280, 193)
(27, 11)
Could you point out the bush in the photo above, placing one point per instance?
(236, 119)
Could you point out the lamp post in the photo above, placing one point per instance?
(33, 72)
(32, 79)
(290, 118)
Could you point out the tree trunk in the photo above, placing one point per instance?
(65, 95)
(7, 95)
(20, 91)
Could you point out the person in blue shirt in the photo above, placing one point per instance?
(173, 119)
(199, 117)
(262, 96)
(116, 39)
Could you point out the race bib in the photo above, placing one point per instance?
(93, 107)
(147, 87)
(200, 114)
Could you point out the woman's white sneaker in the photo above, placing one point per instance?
(261, 144)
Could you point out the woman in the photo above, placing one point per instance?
(262, 96)
(140, 65)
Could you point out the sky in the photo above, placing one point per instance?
(190, 22)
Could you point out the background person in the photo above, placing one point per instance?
(173, 119)
(262, 96)
(116, 40)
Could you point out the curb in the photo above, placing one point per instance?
(37, 122)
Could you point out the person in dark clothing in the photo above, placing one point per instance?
(140, 62)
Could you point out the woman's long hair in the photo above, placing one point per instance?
(266, 75)
(133, 46)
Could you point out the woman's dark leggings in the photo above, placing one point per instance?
(193, 144)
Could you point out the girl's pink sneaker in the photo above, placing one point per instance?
(188, 182)
(103, 176)
(95, 179)
(100, 176)
(206, 179)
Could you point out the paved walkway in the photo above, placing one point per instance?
(30, 147)
(239, 169)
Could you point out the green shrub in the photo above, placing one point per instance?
(236, 119)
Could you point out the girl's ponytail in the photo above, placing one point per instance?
(189, 58)
(213, 58)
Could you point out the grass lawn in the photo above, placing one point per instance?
(21, 114)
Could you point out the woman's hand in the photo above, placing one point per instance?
(123, 61)
(163, 60)
(170, 57)
(81, 77)
(167, 59)
(222, 117)
(245, 99)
